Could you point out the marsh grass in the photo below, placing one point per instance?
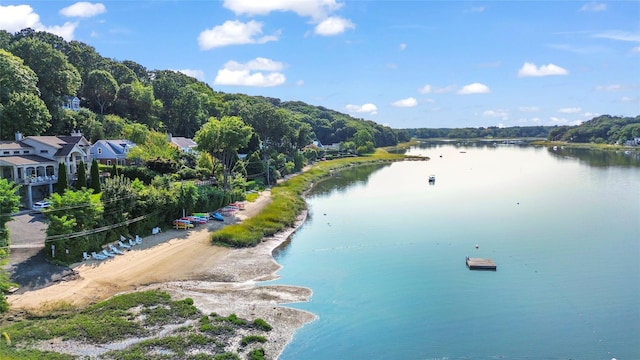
(131, 316)
(287, 202)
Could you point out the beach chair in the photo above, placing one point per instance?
(108, 254)
(138, 240)
(122, 238)
(132, 243)
(155, 230)
(115, 250)
(97, 256)
(123, 245)
(86, 256)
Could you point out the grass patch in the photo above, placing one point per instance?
(250, 339)
(131, 316)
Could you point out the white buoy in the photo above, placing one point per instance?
(477, 246)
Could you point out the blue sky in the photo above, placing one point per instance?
(399, 63)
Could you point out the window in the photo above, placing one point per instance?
(44, 151)
(108, 162)
(26, 152)
(6, 152)
(99, 150)
(16, 152)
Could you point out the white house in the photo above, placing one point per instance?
(32, 161)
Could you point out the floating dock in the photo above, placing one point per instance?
(481, 264)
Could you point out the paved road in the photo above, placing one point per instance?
(27, 265)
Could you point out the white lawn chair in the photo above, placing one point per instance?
(108, 254)
(155, 230)
(122, 238)
(123, 245)
(86, 256)
(98, 256)
(132, 243)
(138, 240)
(115, 250)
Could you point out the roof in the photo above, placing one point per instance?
(20, 160)
(7, 145)
(183, 142)
(65, 150)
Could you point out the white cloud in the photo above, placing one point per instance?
(402, 46)
(198, 74)
(65, 31)
(408, 102)
(428, 89)
(529, 108)
(564, 121)
(83, 9)
(320, 12)
(308, 8)
(629, 99)
(530, 69)
(333, 26)
(636, 50)
(260, 72)
(594, 7)
(233, 33)
(475, 88)
(425, 89)
(365, 108)
(503, 114)
(618, 35)
(300, 83)
(589, 115)
(573, 110)
(15, 18)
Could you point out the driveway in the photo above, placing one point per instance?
(27, 265)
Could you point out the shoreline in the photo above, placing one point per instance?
(185, 264)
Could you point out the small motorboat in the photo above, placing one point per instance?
(432, 178)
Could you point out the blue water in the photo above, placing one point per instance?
(384, 254)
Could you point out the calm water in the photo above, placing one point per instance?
(384, 254)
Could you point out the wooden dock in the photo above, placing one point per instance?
(481, 264)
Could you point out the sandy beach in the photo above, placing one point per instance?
(185, 264)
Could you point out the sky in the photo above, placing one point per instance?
(404, 64)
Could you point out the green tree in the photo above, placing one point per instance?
(9, 204)
(75, 214)
(56, 76)
(156, 147)
(101, 89)
(205, 161)
(21, 108)
(63, 182)
(95, 177)
(119, 199)
(222, 139)
(82, 177)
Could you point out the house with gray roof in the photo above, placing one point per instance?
(110, 152)
(32, 161)
(184, 144)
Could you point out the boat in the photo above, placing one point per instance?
(432, 178)
(217, 216)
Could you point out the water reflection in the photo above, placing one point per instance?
(345, 179)
(598, 158)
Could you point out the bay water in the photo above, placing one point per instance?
(384, 252)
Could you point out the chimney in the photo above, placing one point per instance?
(18, 136)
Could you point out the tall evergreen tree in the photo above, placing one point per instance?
(82, 177)
(63, 183)
(95, 177)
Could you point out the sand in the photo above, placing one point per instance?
(185, 264)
